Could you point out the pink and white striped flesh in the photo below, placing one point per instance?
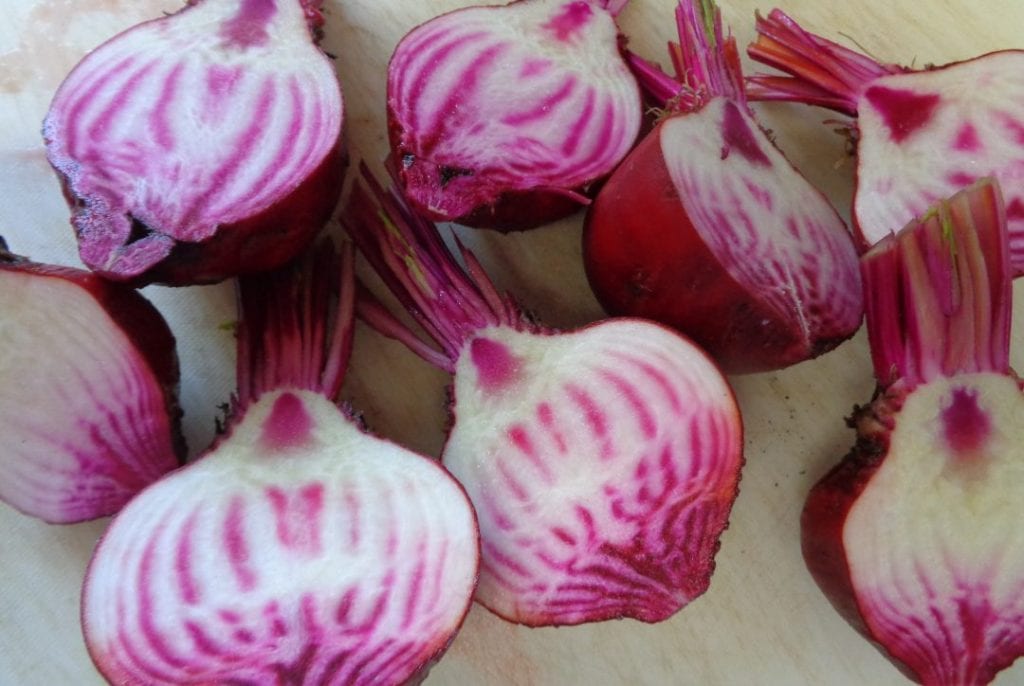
(708, 228)
(502, 117)
(300, 549)
(185, 143)
(921, 135)
(915, 536)
(88, 384)
(603, 462)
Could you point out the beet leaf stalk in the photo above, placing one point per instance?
(300, 549)
(922, 135)
(89, 377)
(202, 144)
(603, 462)
(708, 228)
(915, 536)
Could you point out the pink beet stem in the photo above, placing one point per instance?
(821, 72)
(448, 301)
(938, 294)
(374, 313)
(296, 325)
(706, 62)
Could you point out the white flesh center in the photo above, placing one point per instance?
(773, 232)
(935, 542)
(602, 464)
(83, 419)
(342, 557)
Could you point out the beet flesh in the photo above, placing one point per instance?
(200, 145)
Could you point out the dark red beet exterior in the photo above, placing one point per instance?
(824, 516)
(829, 503)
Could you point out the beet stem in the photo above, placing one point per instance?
(705, 60)
(938, 294)
(449, 302)
(296, 325)
(821, 72)
(379, 318)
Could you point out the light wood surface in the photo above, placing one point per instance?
(762, 622)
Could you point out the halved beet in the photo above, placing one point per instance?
(922, 135)
(503, 117)
(915, 536)
(88, 392)
(708, 228)
(300, 549)
(186, 144)
(603, 462)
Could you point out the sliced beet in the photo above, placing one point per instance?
(188, 143)
(915, 535)
(504, 117)
(922, 135)
(708, 228)
(603, 462)
(299, 549)
(88, 392)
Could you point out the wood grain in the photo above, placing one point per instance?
(763, 620)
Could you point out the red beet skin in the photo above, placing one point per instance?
(828, 504)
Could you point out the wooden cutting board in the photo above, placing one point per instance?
(763, 621)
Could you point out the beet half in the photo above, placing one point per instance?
(505, 117)
(921, 134)
(201, 145)
(915, 536)
(88, 392)
(603, 462)
(708, 228)
(299, 549)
